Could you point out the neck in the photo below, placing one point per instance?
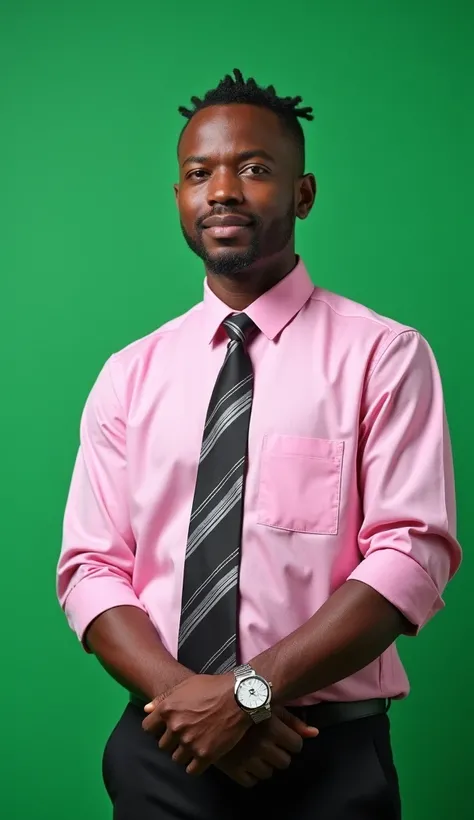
(241, 289)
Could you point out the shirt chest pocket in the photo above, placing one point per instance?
(299, 484)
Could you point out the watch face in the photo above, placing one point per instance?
(253, 693)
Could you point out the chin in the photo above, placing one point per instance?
(230, 261)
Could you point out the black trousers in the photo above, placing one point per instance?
(346, 773)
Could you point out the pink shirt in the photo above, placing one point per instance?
(349, 476)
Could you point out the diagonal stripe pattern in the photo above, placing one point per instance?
(208, 629)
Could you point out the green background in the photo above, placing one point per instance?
(91, 257)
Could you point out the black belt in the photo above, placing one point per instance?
(328, 713)
(322, 715)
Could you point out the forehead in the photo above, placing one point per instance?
(227, 129)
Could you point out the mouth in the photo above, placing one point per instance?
(227, 231)
(227, 226)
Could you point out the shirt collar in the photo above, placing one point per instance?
(271, 312)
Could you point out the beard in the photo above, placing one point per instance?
(266, 242)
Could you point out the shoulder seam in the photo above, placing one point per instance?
(352, 315)
(392, 338)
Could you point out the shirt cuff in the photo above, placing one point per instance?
(403, 582)
(93, 596)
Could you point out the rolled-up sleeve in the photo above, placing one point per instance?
(408, 532)
(95, 567)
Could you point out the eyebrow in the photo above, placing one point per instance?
(252, 154)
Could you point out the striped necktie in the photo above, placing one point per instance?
(208, 630)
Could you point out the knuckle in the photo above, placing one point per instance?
(282, 733)
(293, 742)
(258, 768)
(275, 731)
(284, 761)
(186, 739)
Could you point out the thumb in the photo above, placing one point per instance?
(150, 707)
(298, 725)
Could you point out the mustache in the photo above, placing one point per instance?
(222, 211)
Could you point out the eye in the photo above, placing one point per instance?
(256, 170)
(198, 173)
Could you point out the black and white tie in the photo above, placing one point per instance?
(209, 611)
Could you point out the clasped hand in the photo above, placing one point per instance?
(199, 724)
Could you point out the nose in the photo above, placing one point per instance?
(224, 188)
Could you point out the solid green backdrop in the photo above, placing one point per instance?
(92, 257)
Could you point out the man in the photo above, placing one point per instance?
(262, 503)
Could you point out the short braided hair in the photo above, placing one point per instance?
(237, 90)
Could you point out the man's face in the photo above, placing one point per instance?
(238, 189)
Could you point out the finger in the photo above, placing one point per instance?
(237, 774)
(150, 707)
(154, 724)
(182, 756)
(198, 766)
(169, 742)
(287, 739)
(275, 756)
(246, 780)
(258, 768)
(298, 725)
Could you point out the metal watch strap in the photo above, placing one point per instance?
(260, 714)
(244, 669)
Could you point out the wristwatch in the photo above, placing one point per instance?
(252, 693)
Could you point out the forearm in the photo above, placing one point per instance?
(128, 646)
(353, 627)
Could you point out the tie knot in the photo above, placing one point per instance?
(240, 327)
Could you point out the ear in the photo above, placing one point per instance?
(176, 192)
(306, 195)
